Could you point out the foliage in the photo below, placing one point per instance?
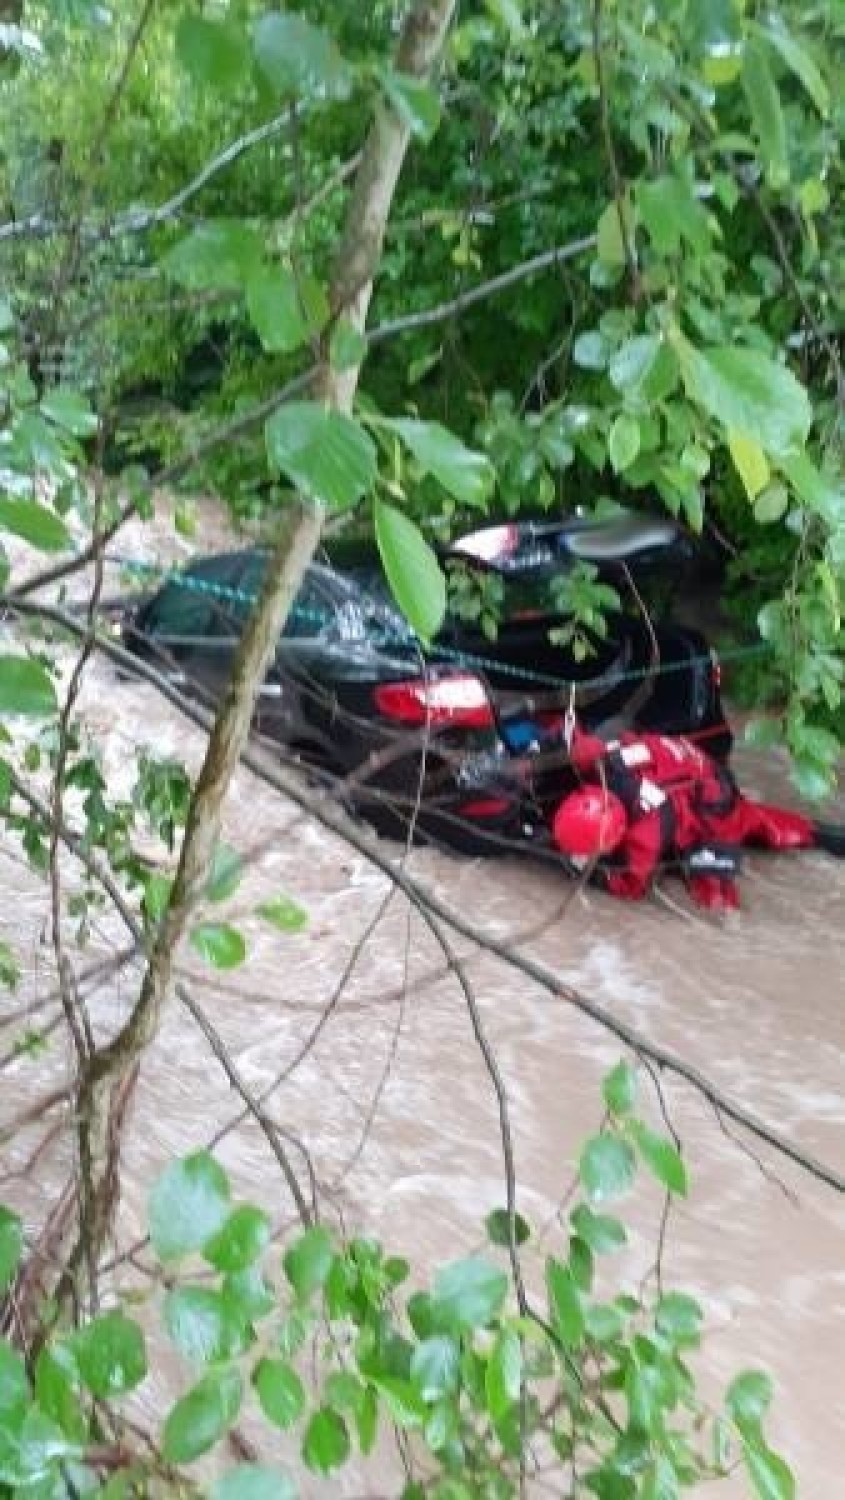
(580, 595)
(338, 1349)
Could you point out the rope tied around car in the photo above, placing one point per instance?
(407, 637)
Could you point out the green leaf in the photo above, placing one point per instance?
(619, 1089)
(590, 350)
(468, 1294)
(661, 380)
(219, 944)
(219, 256)
(110, 1355)
(25, 688)
(606, 1167)
(610, 246)
(188, 1205)
(213, 53)
(602, 1322)
(11, 1245)
(32, 1452)
(771, 1476)
(800, 62)
(819, 491)
(226, 871)
(761, 91)
(602, 1232)
(671, 213)
(299, 58)
(747, 392)
(157, 889)
(630, 364)
(245, 1234)
(254, 1482)
(581, 1264)
(309, 1260)
(436, 1367)
(466, 475)
(284, 913)
(404, 1404)
(10, 969)
(202, 1416)
(416, 103)
(509, 15)
(280, 1391)
(814, 197)
(813, 781)
(343, 1391)
(498, 1227)
(565, 1307)
(660, 1481)
(771, 504)
(249, 1293)
(326, 1443)
(661, 1157)
(366, 1421)
(35, 523)
(750, 463)
(325, 454)
(503, 1375)
(14, 1386)
(679, 1317)
(69, 410)
(286, 308)
(692, 504)
(749, 1397)
(204, 1325)
(623, 442)
(56, 1380)
(415, 576)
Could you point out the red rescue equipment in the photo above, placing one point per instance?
(589, 822)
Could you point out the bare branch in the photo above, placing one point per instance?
(139, 220)
(265, 1124)
(523, 271)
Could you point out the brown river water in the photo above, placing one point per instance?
(396, 1107)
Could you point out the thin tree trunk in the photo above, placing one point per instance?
(359, 254)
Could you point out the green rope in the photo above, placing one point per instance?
(408, 638)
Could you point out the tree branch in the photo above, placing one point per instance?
(139, 220)
(443, 311)
(265, 1124)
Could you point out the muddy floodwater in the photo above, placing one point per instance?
(398, 1112)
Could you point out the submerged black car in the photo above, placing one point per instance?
(441, 739)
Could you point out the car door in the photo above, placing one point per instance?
(191, 626)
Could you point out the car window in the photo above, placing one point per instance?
(214, 597)
(199, 600)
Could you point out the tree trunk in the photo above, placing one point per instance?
(359, 253)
